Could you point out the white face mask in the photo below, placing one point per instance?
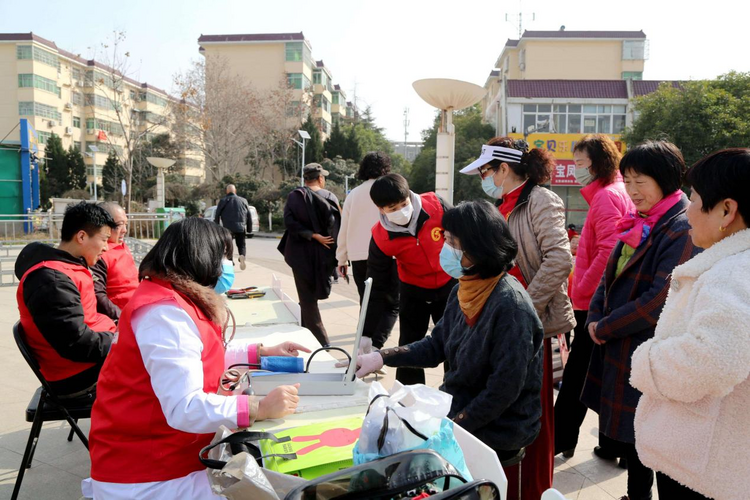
(401, 217)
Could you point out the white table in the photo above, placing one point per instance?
(274, 308)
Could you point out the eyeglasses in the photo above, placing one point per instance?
(484, 170)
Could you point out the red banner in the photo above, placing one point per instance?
(564, 174)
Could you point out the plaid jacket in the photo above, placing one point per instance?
(626, 309)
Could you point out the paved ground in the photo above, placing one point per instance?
(59, 465)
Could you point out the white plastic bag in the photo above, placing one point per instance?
(423, 408)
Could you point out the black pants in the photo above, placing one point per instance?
(308, 304)
(389, 314)
(416, 307)
(640, 477)
(569, 411)
(669, 488)
(239, 238)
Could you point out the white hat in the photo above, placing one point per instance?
(490, 153)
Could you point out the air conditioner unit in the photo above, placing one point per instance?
(52, 123)
(68, 105)
(90, 131)
(68, 130)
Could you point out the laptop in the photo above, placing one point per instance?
(319, 384)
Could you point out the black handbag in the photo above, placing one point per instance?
(403, 475)
(243, 441)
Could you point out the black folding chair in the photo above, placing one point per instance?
(45, 406)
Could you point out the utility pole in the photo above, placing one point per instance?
(406, 129)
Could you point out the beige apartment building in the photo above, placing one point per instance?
(270, 60)
(76, 99)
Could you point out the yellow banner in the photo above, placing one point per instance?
(561, 144)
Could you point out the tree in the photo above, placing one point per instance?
(699, 117)
(353, 151)
(471, 134)
(56, 163)
(313, 145)
(112, 175)
(336, 144)
(76, 168)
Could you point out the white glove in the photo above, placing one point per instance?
(365, 346)
(366, 363)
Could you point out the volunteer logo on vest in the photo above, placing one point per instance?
(437, 233)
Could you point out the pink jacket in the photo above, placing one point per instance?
(608, 204)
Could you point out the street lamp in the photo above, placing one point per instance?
(346, 183)
(448, 96)
(92, 155)
(305, 136)
(160, 164)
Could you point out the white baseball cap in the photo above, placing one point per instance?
(490, 153)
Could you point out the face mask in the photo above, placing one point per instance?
(583, 176)
(226, 280)
(450, 261)
(488, 184)
(401, 217)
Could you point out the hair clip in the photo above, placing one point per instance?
(522, 145)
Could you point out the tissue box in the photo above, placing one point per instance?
(320, 448)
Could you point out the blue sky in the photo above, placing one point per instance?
(380, 47)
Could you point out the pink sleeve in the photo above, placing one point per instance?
(247, 411)
(240, 352)
(253, 356)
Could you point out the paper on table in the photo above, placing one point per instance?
(318, 403)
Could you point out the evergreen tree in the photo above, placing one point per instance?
(112, 175)
(353, 150)
(76, 168)
(313, 145)
(336, 144)
(56, 160)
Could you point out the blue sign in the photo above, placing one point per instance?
(29, 170)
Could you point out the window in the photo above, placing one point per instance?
(293, 109)
(298, 81)
(576, 118)
(77, 144)
(76, 98)
(109, 127)
(323, 103)
(336, 98)
(39, 82)
(77, 121)
(294, 51)
(38, 109)
(155, 99)
(633, 50)
(76, 74)
(632, 75)
(100, 102)
(43, 137)
(100, 78)
(618, 125)
(324, 126)
(37, 54)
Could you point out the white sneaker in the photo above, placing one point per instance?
(242, 262)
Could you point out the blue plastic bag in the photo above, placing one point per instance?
(443, 442)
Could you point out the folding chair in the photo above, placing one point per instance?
(45, 407)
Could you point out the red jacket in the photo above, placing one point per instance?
(130, 439)
(418, 258)
(57, 306)
(609, 203)
(115, 279)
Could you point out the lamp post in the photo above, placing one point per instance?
(346, 183)
(448, 96)
(160, 164)
(94, 150)
(305, 136)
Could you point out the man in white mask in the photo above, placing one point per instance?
(410, 231)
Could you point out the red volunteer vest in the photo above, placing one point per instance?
(122, 275)
(130, 439)
(418, 259)
(53, 366)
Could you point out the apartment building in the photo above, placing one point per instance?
(552, 87)
(270, 60)
(77, 99)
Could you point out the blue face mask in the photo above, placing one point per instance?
(226, 280)
(450, 261)
(488, 184)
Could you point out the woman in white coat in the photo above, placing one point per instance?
(692, 422)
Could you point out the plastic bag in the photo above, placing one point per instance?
(410, 417)
(242, 478)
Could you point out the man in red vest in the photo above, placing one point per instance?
(56, 300)
(115, 274)
(410, 231)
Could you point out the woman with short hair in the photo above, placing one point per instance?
(490, 336)
(157, 402)
(693, 418)
(597, 170)
(626, 306)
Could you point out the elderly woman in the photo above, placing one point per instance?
(626, 306)
(490, 336)
(157, 402)
(514, 175)
(693, 418)
(597, 161)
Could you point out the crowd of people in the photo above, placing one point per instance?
(656, 301)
